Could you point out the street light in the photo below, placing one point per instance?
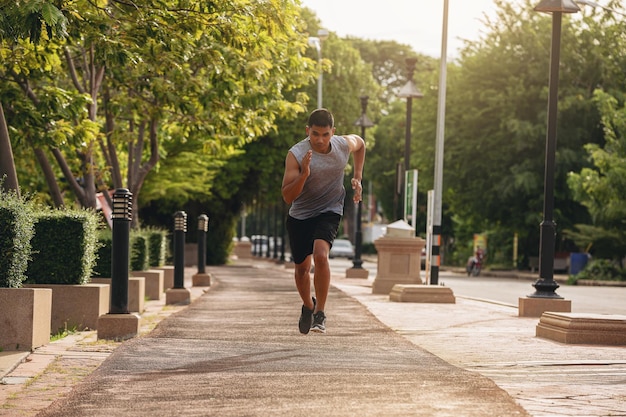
(409, 91)
(545, 286)
(363, 121)
(316, 41)
(435, 232)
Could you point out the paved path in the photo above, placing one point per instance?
(236, 351)
(547, 378)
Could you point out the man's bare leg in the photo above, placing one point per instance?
(303, 282)
(321, 275)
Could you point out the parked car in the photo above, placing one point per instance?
(342, 248)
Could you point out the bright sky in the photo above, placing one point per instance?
(417, 23)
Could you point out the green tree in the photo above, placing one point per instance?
(495, 134)
(601, 187)
(253, 175)
(156, 75)
(23, 19)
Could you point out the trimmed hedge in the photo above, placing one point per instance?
(64, 247)
(157, 246)
(148, 248)
(102, 268)
(16, 231)
(139, 260)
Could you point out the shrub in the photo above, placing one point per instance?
(368, 249)
(64, 247)
(157, 246)
(16, 231)
(139, 260)
(600, 270)
(102, 267)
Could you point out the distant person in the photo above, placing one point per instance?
(313, 185)
(480, 254)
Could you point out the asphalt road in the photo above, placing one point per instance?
(585, 299)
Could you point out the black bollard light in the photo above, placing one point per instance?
(180, 227)
(202, 278)
(121, 218)
(203, 227)
(119, 324)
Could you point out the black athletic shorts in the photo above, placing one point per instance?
(302, 233)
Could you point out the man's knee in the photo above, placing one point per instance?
(302, 269)
(320, 257)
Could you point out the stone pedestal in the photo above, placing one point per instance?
(201, 280)
(421, 294)
(118, 326)
(177, 296)
(76, 306)
(399, 254)
(535, 307)
(580, 328)
(168, 275)
(136, 292)
(154, 282)
(25, 318)
(357, 273)
(243, 249)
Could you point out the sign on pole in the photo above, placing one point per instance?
(410, 199)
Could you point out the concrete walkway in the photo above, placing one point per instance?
(236, 351)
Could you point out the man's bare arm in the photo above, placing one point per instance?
(357, 147)
(295, 176)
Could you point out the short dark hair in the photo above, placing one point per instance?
(321, 118)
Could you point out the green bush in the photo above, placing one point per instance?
(368, 249)
(139, 260)
(600, 270)
(102, 267)
(157, 246)
(64, 247)
(16, 231)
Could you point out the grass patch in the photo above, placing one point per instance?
(63, 333)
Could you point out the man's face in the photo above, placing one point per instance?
(320, 137)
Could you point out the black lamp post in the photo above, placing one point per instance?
(545, 286)
(409, 91)
(121, 217)
(203, 228)
(180, 228)
(363, 121)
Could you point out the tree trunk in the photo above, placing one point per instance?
(139, 176)
(7, 163)
(53, 185)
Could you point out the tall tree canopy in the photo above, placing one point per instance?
(157, 73)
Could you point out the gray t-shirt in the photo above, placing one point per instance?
(323, 190)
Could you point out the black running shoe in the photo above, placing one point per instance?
(319, 322)
(306, 318)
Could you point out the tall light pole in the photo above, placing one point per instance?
(545, 286)
(408, 91)
(316, 41)
(435, 233)
(363, 121)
